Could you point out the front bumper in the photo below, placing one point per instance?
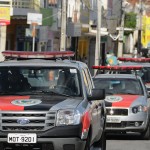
(50, 144)
(57, 138)
(133, 122)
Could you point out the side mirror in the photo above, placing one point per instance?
(97, 94)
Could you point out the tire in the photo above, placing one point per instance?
(101, 144)
(146, 134)
(88, 145)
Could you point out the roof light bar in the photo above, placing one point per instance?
(117, 67)
(134, 59)
(46, 55)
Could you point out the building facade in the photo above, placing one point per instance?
(81, 27)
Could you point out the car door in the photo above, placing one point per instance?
(95, 122)
(99, 106)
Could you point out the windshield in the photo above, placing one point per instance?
(32, 79)
(119, 86)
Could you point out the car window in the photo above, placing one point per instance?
(86, 82)
(21, 79)
(119, 86)
(88, 79)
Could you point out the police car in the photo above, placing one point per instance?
(144, 72)
(49, 104)
(126, 100)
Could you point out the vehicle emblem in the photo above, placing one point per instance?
(26, 102)
(23, 121)
(113, 99)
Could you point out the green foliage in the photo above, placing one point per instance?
(130, 20)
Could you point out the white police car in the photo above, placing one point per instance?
(126, 101)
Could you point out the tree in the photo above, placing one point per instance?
(130, 20)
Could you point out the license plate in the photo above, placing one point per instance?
(22, 138)
(113, 120)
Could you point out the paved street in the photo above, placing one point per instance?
(127, 142)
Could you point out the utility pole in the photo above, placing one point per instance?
(139, 45)
(98, 35)
(121, 33)
(63, 25)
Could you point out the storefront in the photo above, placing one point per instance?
(16, 36)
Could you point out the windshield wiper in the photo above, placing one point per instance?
(55, 93)
(11, 93)
(109, 93)
(34, 92)
(126, 93)
(45, 92)
(132, 93)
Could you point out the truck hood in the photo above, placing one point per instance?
(124, 100)
(42, 103)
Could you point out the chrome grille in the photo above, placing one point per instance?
(116, 125)
(116, 111)
(39, 121)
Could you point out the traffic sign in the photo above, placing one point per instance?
(34, 18)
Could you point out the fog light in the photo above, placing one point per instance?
(137, 124)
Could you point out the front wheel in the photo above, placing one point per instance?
(101, 143)
(146, 134)
(88, 144)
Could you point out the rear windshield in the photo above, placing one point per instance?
(144, 73)
(63, 80)
(119, 86)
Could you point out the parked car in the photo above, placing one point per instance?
(127, 103)
(49, 104)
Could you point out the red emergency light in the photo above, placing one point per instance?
(118, 67)
(134, 59)
(45, 55)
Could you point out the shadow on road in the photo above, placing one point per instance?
(128, 136)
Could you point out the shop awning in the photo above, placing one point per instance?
(93, 32)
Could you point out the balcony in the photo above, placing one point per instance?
(22, 7)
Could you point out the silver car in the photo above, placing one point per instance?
(126, 103)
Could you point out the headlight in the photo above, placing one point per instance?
(68, 117)
(139, 108)
(147, 85)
